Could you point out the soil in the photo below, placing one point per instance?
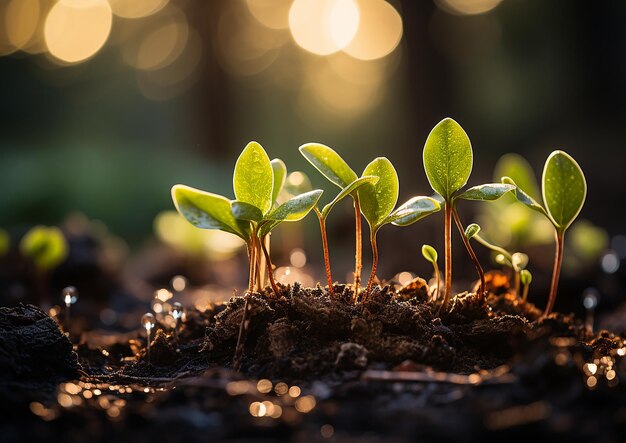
(386, 368)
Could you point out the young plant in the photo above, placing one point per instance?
(378, 202)
(516, 260)
(251, 216)
(448, 162)
(526, 278)
(430, 254)
(336, 170)
(563, 188)
(323, 215)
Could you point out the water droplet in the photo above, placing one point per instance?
(177, 311)
(148, 321)
(70, 295)
(590, 298)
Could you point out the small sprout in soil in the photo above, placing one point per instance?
(516, 261)
(526, 279)
(378, 202)
(564, 189)
(431, 255)
(177, 314)
(70, 296)
(448, 161)
(330, 164)
(45, 246)
(148, 322)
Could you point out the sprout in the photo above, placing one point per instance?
(330, 164)
(45, 246)
(517, 261)
(564, 190)
(378, 202)
(448, 161)
(430, 254)
(526, 279)
(252, 216)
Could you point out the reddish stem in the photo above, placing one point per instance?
(448, 256)
(270, 267)
(374, 262)
(358, 256)
(558, 260)
(470, 251)
(329, 276)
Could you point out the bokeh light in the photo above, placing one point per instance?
(272, 13)
(323, 26)
(76, 30)
(136, 8)
(379, 32)
(468, 7)
(21, 20)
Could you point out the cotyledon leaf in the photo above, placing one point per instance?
(246, 211)
(207, 211)
(295, 208)
(429, 253)
(564, 188)
(486, 192)
(471, 230)
(280, 174)
(378, 200)
(371, 179)
(524, 198)
(448, 158)
(413, 210)
(329, 163)
(253, 179)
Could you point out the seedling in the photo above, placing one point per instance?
(251, 216)
(431, 255)
(378, 202)
(323, 215)
(516, 261)
(526, 279)
(564, 189)
(448, 162)
(330, 164)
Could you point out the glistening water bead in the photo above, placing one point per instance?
(148, 322)
(70, 296)
(177, 314)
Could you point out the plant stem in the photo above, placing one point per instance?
(329, 276)
(374, 261)
(437, 282)
(270, 268)
(558, 260)
(448, 256)
(517, 282)
(358, 256)
(525, 293)
(245, 322)
(470, 251)
(252, 260)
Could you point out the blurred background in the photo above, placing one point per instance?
(108, 103)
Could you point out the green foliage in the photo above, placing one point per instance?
(377, 201)
(564, 189)
(414, 209)
(329, 164)
(486, 192)
(205, 210)
(348, 190)
(518, 169)
(279, 170)
(253, 179)
(447, 158)
(526, 277)
(471, 231)
(45, 246)
(429, 253)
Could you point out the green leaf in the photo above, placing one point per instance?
(413, 210)
(329, 163)
(429, 253)
(486, 192)
(253, 180)
(349, 190)
(296, 208)
(471, 231)
(280, 175)
(246, 211)
(525, 277)
(564, 189)
(516, 167)
(377, 201)
(447, 158)
(524, 198)
(45, 246)
(207, 211)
